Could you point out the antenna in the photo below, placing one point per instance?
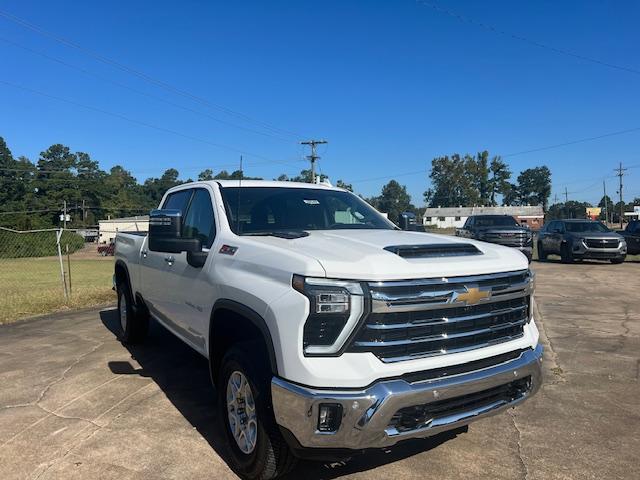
(238, 205)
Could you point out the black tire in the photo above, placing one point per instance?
(271, 456)
(617, 261)
(565, 254)
(135, 326)
(542, 255)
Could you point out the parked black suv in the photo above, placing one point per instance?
(631, 234)
(500, 229)
(578, 239)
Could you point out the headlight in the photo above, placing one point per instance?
(335, 306)
(532, 282)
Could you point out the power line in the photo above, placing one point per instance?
(142, 75)
(138, 122)
(140, 92)
(520, 38)
(572, 142)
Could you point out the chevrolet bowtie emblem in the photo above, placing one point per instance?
(472, 296)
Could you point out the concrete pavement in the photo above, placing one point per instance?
(75, 403)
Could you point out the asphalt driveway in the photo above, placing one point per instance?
(75, 403)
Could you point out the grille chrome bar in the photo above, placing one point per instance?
(443, 320)
(383, 302)
(441, 336)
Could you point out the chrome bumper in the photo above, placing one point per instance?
(367, 414)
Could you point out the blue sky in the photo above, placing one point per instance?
(390, 85)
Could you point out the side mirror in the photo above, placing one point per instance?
(407, 221)
(165, 233)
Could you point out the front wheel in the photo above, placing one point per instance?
(617, 260)
(257, 448)
(542, 255)
(565, 254)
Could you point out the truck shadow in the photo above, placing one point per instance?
(183, 376)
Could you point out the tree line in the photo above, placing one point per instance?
(32, 193)
(474, 180)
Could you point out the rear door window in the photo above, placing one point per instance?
(178, 201)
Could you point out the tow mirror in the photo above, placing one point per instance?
(407, 221)
(165, 233)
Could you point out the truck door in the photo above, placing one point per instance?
(189, 291)
(155, 266)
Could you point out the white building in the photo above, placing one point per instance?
(454, 217)
(108, 228)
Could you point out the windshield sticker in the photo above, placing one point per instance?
(311, 202)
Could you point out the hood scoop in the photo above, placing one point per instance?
(435, 250)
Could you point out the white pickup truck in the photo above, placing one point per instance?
(328, 330)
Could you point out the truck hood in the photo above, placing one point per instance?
(361, 255)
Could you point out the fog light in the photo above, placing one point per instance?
(329, 417)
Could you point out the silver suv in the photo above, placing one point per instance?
(579, 239)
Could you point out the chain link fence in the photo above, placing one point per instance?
(47, 270)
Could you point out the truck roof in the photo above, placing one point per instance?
(273, 184)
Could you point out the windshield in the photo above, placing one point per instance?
(497, 221)
(582, 227)
(278, 209)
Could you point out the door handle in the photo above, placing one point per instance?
(169, 260)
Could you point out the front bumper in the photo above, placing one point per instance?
(367, 414)
(580, 250)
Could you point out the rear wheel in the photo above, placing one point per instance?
(134, 323)
(542, 255)
(257, 448)
(565, 254)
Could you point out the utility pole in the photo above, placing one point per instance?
(606, 209)
(313, 157)
(566, 200)
(64, 214)
(83, 214)
(620, 172)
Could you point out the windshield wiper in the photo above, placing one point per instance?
(287, 234)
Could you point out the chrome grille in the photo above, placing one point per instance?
(418, 318)
(601, 242)
(510, 239)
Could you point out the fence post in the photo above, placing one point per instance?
(69, 269)
(64, 283)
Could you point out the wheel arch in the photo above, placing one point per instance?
(247, 325)
(122, 275)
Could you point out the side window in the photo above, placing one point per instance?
(468, 223)
(178, 201)
(199, 222)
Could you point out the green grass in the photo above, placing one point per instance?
(32, 286)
